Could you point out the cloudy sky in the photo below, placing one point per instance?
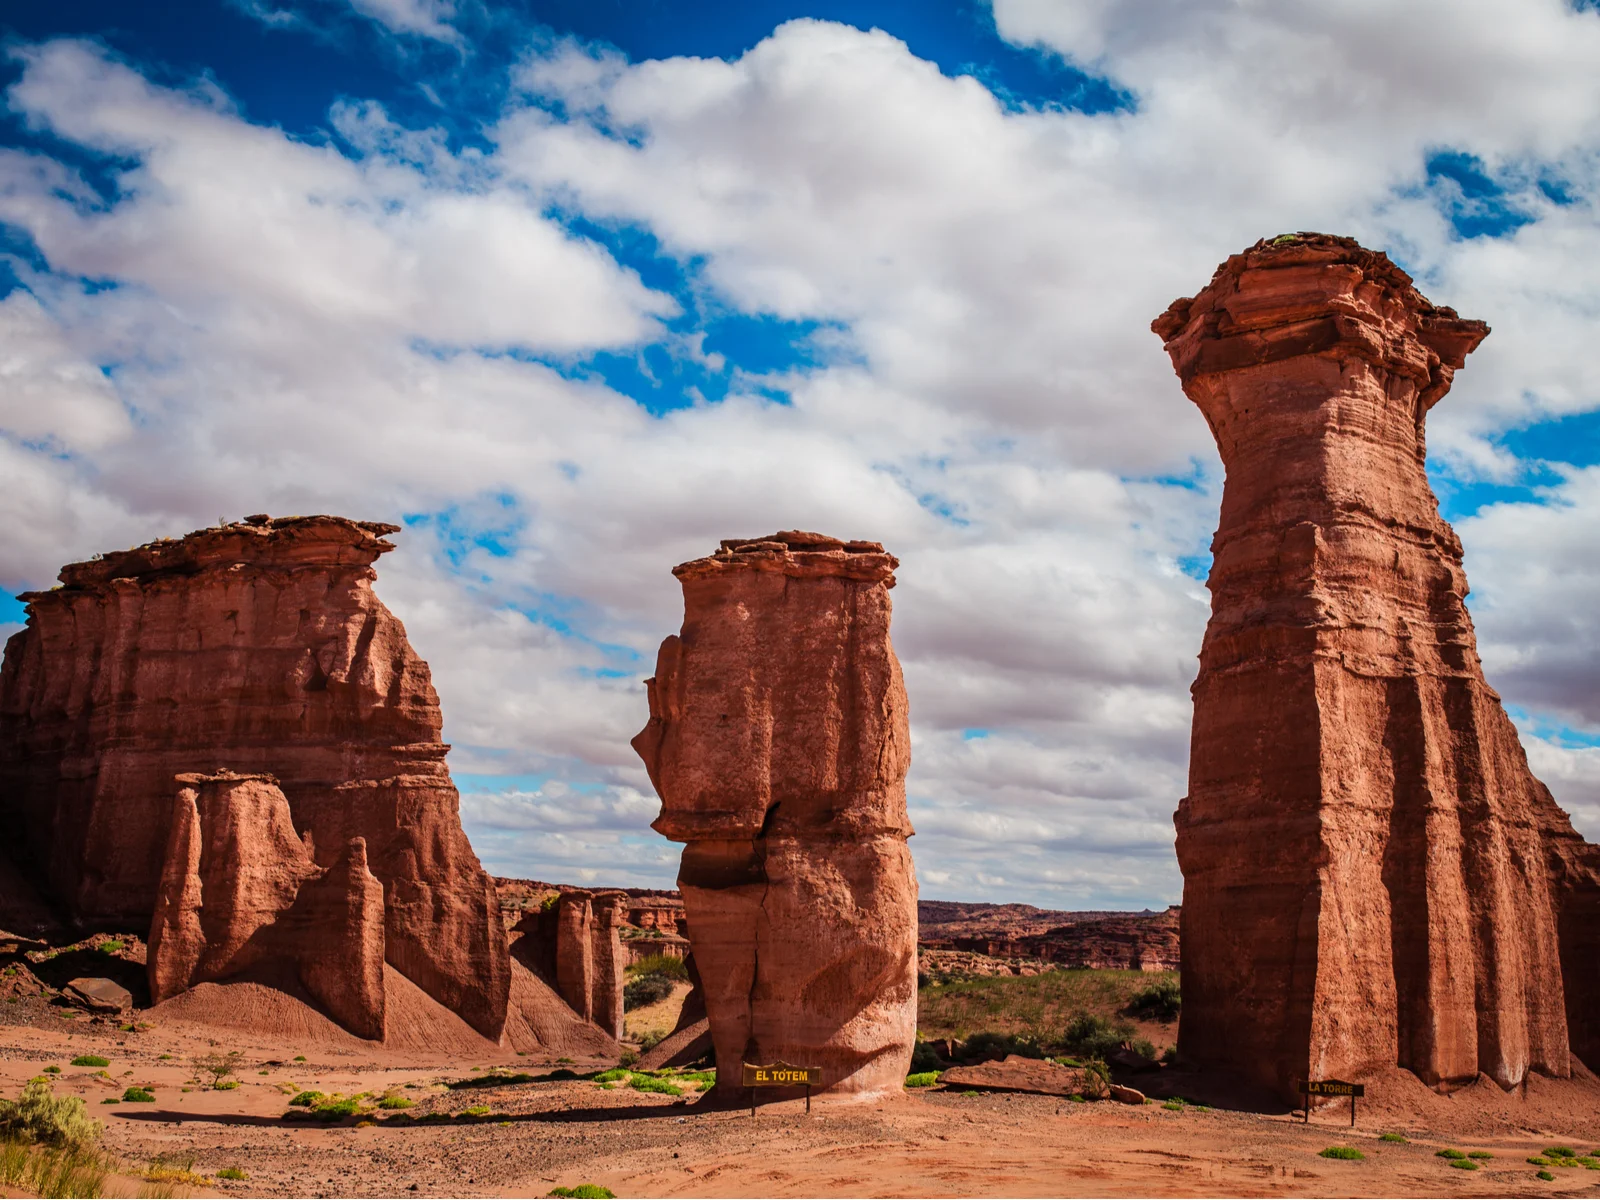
(576, 288)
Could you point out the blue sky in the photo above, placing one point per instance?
(576, 289)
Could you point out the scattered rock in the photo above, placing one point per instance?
(98, 995)
(1019, 1074)
(779, 744)
(1363, 847)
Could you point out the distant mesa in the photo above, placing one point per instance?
(778, 742)
(1372, 876)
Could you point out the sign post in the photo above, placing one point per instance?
(1331, 1087)
(780, 1074)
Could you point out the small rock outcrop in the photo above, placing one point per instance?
(575, 945)
(241, 892)
(1367, 860)
(778, 742)
(257, 647)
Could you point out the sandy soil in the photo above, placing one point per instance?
(659, 1018)
(937, 1143)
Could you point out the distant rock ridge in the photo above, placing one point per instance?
(778, 742)
(257, 648)
(1372, 876)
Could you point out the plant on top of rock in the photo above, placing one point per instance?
(39, 1115)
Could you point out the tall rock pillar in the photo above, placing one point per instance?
(1363, 846)
(778, 741)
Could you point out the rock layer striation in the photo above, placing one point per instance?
(1367, 859)
(778, 742)
(260, 648)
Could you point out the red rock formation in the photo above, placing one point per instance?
(1098, 940)
(256, 647)
(609, 962)
(240, 892)
(1365, 881)
(779, 744)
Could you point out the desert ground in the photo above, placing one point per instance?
(495, 1137)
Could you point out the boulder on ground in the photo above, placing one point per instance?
(1125, 1095)
(98, 995)
(1018, 1074)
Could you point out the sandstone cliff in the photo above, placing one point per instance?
(257, 647)
(1367, 875)
(778, 741)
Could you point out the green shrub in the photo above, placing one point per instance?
(307, 1099)
(1463, 1164)
(39, 1115)
(299, 1058)
(393, 1102)
(91, 1060)
(924, 1058)
(1161, 1001)
(477, 1110)
(1545, 1175)
(1392, 1137)
(1176, 1104)
(584, 1191)
(52, 1170)
(111, 947)
(922, 1079)
(1143, 1047)
(1096, 1036)
(52, 1069)
(1539, 1160)
(647, 1083)
(231, 1173)
(1479, 1154)
(999, 1045)
(1347, 1152)
(644, 990)
(1447, 1153)
(611, 1076)
(1559, 1152)
(336, 1110)
(225, 1085)
(668, 965)
(138, 1095)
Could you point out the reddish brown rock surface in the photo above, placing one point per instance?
(779, 744)
(1138, 941)
(241, 893)
(257, 647)
(1363, 847)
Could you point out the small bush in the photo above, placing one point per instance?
(330, 1111)
(1545, 1175)
(922, 1079)
(307, 1099)
(611, 1076)
(924, 1058)
(1392, 1137)
(668, 965)
(1479, 1154)
(999, 1045)
(650, 1039)
(393, 1102)
(584, 1191)
(52, 1069)
(1450, 1154)
(1539, 1160)
(1143, 1047)
(477, 1110)
(647, 1083)
(111, 1100)
(299, 1058)
(1463, 1164)
(218, 1066)
(91, 1060)
(1559, 1152)
(111, 947)
(231, 1173)
(39, 1115)
(644, 990)
(51, 1170)
(1095, 1036)
(1161, 1001)
(225, 1085)
(1346, 1152)
(138, 1095)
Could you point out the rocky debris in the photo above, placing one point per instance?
(1018, 1074)
(1125, 1095)
(256, 647)
(16, 943)
(98, 995)
(778, 742)
(1365, 880)
(239, 890)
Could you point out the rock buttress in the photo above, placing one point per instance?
(778, 742)
(257, 647)
(1365, 869)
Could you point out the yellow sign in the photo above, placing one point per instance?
(1331, 1087)
(781, 1074)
